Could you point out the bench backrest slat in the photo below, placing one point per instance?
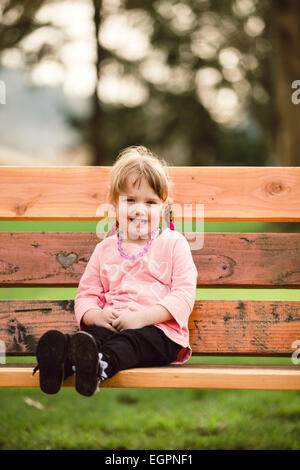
(216, 327)
(228, 193)
(226, 259)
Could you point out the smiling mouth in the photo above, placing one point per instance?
(138, 221)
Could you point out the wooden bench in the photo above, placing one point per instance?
(226, 260)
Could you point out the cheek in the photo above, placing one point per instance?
(155, 214)
(122, 213)
(156, 210)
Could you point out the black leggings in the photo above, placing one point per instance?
(140, 347)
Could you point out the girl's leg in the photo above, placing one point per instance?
(99, 354)
(84, 348)
(141, 347)
(54, 360)
(100, 334)
(52, 355)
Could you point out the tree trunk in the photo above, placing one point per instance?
(286, 69)
(96, 118)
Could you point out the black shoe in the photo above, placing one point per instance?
(84, 353)
(51, 353)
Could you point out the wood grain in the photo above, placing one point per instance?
(257, 328)
(200, 376)
(226, 259)
(227, 193)
(238, 327)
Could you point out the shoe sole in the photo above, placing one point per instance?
(51, 352)
(85, 358)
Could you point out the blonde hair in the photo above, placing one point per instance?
(140, 161)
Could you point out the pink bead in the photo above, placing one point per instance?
(146, 248)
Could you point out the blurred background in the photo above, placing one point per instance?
(200, 82)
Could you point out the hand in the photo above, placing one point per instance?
(129, 320)
(101, 317)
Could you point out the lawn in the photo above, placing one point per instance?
(150, 419)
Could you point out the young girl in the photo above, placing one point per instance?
(137, 291)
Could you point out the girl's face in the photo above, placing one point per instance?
(139, 209)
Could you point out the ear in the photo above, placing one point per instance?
(167, 213)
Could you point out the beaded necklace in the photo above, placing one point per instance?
(154, 233)
(144, 250)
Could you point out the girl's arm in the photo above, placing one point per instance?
(127, 319)
(99, 317)
(90, 289)
(179, 302)
(156, 314)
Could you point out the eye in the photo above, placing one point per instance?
(129, 199)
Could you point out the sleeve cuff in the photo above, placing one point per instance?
(174, 306)
(81, 309)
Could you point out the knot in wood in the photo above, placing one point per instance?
(66, 260)
(21, 208)
(277, 187)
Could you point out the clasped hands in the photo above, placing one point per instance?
(115, 320)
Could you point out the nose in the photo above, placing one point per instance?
(139, 209)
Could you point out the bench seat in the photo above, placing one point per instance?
(201, 376)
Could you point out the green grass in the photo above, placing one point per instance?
(150, 419)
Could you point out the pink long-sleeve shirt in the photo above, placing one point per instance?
(165, 275)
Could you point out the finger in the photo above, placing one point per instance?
(107, 325)
(110, 327)
(115, 322)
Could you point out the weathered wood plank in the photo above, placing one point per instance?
(250, 327)
(44, 259)
(201, 376)
(228, 193)
(22, 322)
(226, 259)
(262, 328)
